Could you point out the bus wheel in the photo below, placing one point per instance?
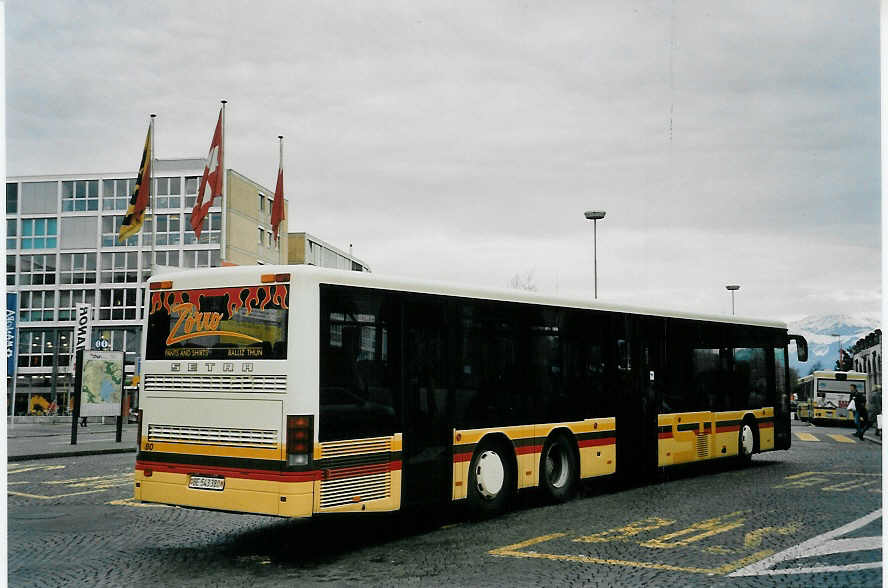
(746, 442)
(490, 480)
(559, 468)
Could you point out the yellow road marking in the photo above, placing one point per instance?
(841, 438)
(131, 502)
(754, 538)
(41, 497)
(849, 485)
(806, 437)
(630, 530)
(33, 468)
(513, 551)
(708, 527)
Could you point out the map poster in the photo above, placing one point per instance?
(101, 383)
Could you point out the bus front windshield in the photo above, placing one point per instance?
(242, 322)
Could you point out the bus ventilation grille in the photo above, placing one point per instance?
(703, 445)
(213, 436)
(215, 384)
(355, 482)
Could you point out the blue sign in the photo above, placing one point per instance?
(11, 335)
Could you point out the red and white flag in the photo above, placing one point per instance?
(277, 207)
(211, 182)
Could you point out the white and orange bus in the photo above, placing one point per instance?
(294, 390)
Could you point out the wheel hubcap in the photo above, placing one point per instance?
(556, 467)
(747, 441)
(489, 474)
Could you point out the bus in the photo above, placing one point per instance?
(824, 395)
(294, 391)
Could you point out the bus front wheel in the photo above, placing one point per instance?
(490, 480)
(746, 442)
(559, 468)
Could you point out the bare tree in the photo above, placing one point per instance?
(523, 281)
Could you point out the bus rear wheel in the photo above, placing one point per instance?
(559, 469)
(746, 442)
(491, 480)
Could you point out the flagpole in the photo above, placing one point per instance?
(280, 167)
(224, 147)
(152, 198)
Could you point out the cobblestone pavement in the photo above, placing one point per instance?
(807, 517)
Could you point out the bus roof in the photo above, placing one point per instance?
(250, 274)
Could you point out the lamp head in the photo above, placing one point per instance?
(594, 214)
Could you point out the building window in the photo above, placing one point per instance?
(68, 299)
(36, 305)
(77, 268)
(11, 233)
(119, 304)
(35, 348)
(168, 193)
(116, 194)
(120, 267)
(204, 258)
(39, 233)
(167, 257)
(111, 229)
(191, 185)
(10, 270)
(261, 203)
(211, 232)
(126, 340)
(38, 270)
(80, 195)
(168, 230)
(261, 236)
(11, 198)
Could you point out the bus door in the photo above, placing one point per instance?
(426, 455)
(652, 379)
(637, 346)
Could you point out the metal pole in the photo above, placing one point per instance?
(223, 242)
(732, 303)
(153, 198)
(595, 253)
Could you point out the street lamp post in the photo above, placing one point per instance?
(595, 216)
(733, 288)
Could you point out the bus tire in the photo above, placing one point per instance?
(559, 468)
(491, 479)
(746, 441)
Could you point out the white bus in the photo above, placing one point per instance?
(294, 390)
(825, 395)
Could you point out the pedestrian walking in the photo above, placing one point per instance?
(82, 421)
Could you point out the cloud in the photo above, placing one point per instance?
(728, 142)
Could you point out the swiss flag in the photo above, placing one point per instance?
(211, 182)
(277, 207)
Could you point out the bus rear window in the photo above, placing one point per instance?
(243, 322)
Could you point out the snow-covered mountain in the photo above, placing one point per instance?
(823, 344)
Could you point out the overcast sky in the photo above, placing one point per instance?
(729, 142)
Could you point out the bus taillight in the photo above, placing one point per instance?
(139, 429)
(300, 437)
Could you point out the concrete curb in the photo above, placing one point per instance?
(70, 454)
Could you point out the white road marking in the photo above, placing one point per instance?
(79, 441)
(824, 544)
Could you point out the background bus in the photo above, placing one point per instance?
(824, 395)
(294, 390)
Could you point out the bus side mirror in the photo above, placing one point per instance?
(801, 347)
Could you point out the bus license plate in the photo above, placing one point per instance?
(206, 483)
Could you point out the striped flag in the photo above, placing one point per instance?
(135, 212)
(277, 207)
(211, 182)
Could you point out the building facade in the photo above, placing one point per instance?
(303, 248)
(62, 249)
(866, 356)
